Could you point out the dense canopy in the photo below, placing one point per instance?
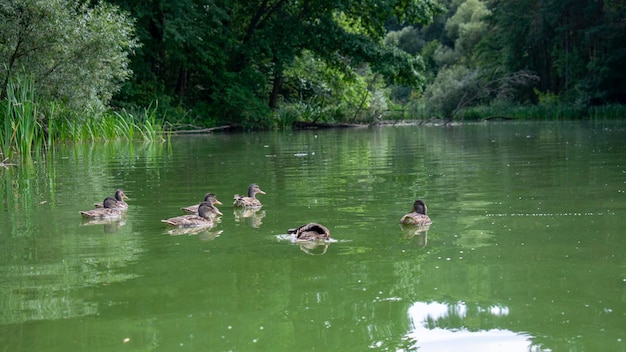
(267, 63)
(228, 59)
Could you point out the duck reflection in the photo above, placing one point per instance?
(204, 233)
(109, 225)
(254, 216)
(418, 233)
(313, 247)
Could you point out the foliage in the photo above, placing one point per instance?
(575, 46)
(76, 54)
(467, 26)
(232, 58)
(457, 87)
(254, 63)
(407, 39)
(21, 130)
(24, 130)
(452, 85)
(565, 51)
(112, 125)
(328, 93)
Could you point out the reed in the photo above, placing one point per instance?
(27, 127)
(112, 125)
(607, 112)
(545, 112)
(21, 130)
(145, 124)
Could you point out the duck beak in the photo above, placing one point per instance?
(217, 202)
(260, 191)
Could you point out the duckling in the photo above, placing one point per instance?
(209, 197)
(250, 200)
(417, 216)
(119, 196)
(203, 219)
(311, 232)
(108, 211)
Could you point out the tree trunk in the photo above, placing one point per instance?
(181, 83)
(275, 89)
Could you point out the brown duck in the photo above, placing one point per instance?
(417, 216)
(209, 197)
(311, 232)
(203, 219)
(109, 210)
(119, 197)
(250, 200)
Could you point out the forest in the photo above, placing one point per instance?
(166, 64)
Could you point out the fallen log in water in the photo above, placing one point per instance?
(201, 130)
(304, 125)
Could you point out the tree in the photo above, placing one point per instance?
(75, 54)
(575, 46)
(234, 54)
(467, 26)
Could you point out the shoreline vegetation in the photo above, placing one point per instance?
(30, 125)
(119, 70)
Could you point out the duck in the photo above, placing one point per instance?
(209, 197)
(250, 200)
(311, 232)
(203, 219)
(417, 215)
(109, 210)
(119, 196)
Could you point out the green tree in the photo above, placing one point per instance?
(459, 82)
(467, 26)
(75, 54)
(231, 56)
(575, 46)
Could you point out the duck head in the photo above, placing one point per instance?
(206, 209)
(211, 198)
(253, 189)
(120, 195)
(419, 207)
(109, 202)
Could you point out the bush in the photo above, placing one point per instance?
(76, 54)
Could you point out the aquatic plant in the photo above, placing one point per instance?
(30, 125)
(112, 125)
(21, 130)
(544, 112)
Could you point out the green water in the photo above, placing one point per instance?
(526, 249)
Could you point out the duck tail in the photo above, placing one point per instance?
(168, 222)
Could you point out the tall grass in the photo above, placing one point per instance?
(545, 112)
(28, 125)
(608, 112)
(146, 124)
(21, 130)
(112, 125)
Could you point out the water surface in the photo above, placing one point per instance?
(525, 251)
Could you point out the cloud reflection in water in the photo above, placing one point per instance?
(429, 337)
